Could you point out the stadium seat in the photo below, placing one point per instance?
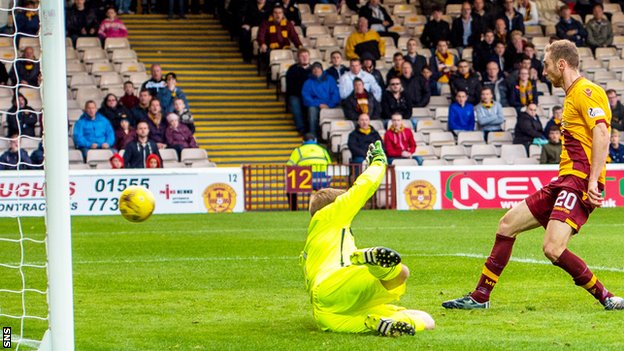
(203, 164)
(97, 158)
(123, 55)
(85, 94)
(127, 68)
(499, 138)
(601, 78)
(427, 126)
(612, 8)
(453, 10)
(421, 112)
(451, 152)
(434, 162)
(340, 32)
(82, 79)
(510, 152)
(94, 54)
(73, 114)
(491, 161)
(309, 19)
(535, 151)
(275, 58)
(192, 155)
(29, 143)
(419, 138)
(533, 31)
(336, 131)
(331, 20)
(29, 42)
(464, 162)
(524, 161)
(467, 139)
(101, 67)
(606, 54)
(79, 166)
(315, 31)
(378, 125)
(437, 101)
(137, 78)
(83, 43)
(323, 9)
(616, 66)
(345, 156)
(482, 151)
(7, 54)
(403, 10)
(304, 8)
(326, 43)
(404, 162)
(441, 113)
(75, 156)
(111, 44)
(426, 152)
(437, 139)
(108, 79)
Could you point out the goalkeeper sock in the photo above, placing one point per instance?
(385, 273)
(582, 275)
(493, 267)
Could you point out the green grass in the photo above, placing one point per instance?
(232, 282)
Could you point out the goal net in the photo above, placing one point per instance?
(35, 251)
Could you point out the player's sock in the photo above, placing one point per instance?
(582, 275)
(385, 273)
(493, 267)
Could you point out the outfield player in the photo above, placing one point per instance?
(351, 289)
(564, 205)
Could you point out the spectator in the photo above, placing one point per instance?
(22, 122)
(116, 161)
(319, 92)
(414, 86)
(137, 151)
(296, 75)
(617, 110)
(26, 69)
(418, 61)
(493, 79)
(310, 153)
(599, 29)
(254, 15)
(291, 11)
(124, 134)
(27, 20)
(528, 128)
(360, 138)
(37, 157)
(513, 19)
(81, 21)
(156, 82)
(177, 135)
(345, 84)
(555, 120)
(489, 113)
(112, 26)
(92, 130)
(378, 19)
(430, 86)
(129, 100)
(337, 69)
(148, 6)
(180, 109)
(14, 158)
(399, 141)
(585, 7)
(528, 10)
(157, 124)
(394, 100)
(616, 150)
(113, 111)
(4, 76)
(525, 62)
(4, 17)
(123, 6)
(139, 112)
(466, 80)
(443, 64)
(276, 33)
(499, 58)
(484, 13)
(368, 66)
(181, 12)
(435, 30)
(483, 51)
(364, 40)
(360, 102)
(500, 31)
(466, 29)
(171, 92)
(514, 51)
(569, 28)
(153, 161)
(395, 70)
(523, 92)
(551, 152)
(536, 67)
(461, 115)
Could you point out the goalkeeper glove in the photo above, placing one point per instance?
(376, 154)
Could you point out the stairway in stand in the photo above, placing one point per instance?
(238, 120)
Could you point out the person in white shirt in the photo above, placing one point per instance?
(528, 10)
(345, 83)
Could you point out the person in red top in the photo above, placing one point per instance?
(276, 33)
(399, 141)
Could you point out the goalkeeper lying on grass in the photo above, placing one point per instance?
(351, 289)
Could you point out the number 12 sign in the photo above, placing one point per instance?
(298, 179)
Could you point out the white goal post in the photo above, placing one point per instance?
(58, 225)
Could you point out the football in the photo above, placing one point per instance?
(136, 203)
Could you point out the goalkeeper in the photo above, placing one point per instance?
(351, 289)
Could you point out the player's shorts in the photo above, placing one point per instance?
(342, 301)
(564, 199)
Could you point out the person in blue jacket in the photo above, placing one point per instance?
(461, 115)
(170, 93)
(92, 130)
(319, 91)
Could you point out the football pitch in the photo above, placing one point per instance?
(233, 282)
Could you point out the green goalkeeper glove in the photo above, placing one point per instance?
(376, 154)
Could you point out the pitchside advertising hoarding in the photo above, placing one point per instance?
(472, 187)
(211, 190)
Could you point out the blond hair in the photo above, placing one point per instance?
(563, 50)
(323, 198)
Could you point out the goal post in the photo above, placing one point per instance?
(58, 223)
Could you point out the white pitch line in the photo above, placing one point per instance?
(17, 339)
